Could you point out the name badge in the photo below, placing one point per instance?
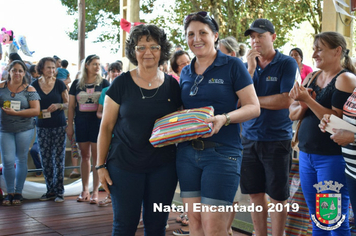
(16, 105)
(46, 114)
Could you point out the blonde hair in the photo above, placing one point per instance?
(231, 45)
(83, 75)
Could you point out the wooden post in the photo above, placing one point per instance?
(81, 31)
(129, 10)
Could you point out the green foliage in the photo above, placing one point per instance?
(233, 16)
(103, 13)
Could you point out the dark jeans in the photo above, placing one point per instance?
(351, 186)
(35, 154)
(131, 190)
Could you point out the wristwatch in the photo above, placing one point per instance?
(101, 166)
(227, 119)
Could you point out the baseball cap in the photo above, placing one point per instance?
(260, 26)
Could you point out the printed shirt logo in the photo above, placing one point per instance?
(216, 81)
(271, 78)
(328, 206)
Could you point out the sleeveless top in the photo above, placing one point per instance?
(311, 139)
(15, 124)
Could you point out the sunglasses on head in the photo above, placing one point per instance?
(204, 15)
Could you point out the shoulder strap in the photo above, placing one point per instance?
(315, 74)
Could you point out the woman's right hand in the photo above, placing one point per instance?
(70, 132)
(104, 179)
(324, 122)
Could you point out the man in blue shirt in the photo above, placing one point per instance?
(267, 138)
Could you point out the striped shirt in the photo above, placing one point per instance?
(349, 151)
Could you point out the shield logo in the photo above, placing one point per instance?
(328, 207)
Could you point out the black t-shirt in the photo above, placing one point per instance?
(87, 100)
(55, 96)
(311, 139)
(130, 146)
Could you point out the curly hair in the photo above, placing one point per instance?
(174, 59)
(152, 32)
(41, 64)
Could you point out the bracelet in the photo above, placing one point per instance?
(354, 138)
(227, 119)
(101, 166)
(61, 106)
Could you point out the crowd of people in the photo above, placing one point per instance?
(249, 149)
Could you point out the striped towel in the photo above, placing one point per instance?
(181, 126)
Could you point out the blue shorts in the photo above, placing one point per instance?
(86, 130)
(212, 174)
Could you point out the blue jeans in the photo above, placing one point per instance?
(131, 190)
(212, 174)
(318, 168)
(14, 149)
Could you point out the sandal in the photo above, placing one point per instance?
(180, 232)
(93, 200)
(83, 197)
(17, 200)
(8, 200)
(183, 219)
(105, 202)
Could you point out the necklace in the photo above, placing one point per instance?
(144, 97)
(149, 83)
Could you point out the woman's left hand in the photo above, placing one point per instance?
(218, 122)
(324, 122)
(53, 107)
(342, 137)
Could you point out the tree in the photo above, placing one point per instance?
(104, 13)
(233, 16)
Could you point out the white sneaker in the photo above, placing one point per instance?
(59, 198)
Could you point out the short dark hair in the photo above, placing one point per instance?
(64, 63)
(174, 59)
(41, 63)
(213, 25)
(298, 50)
(115, 66)
(32, 69)
(14, 56)
(152, 32)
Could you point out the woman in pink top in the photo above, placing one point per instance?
(297, 54)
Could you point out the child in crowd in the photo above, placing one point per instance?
(63, 74)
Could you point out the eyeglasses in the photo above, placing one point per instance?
(197, 81)
(155, 48)
(184, 64)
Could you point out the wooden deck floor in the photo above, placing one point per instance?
(34, 217)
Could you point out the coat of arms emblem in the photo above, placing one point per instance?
(328, 206)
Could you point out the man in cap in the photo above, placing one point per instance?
(267, 139)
